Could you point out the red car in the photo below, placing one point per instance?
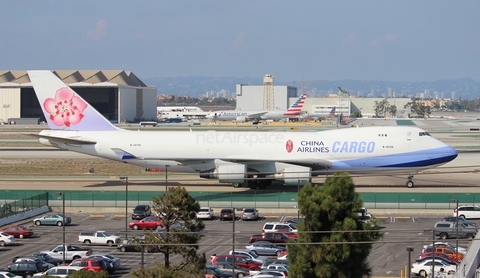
(18, 231)
(90, 264)
(146, 223)
(241, 261)
(451, 258)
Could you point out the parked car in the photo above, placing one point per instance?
(279, 227)
(445, 230)
(150, 222)
(52, 219)
(47, 258)
(226, 213)
(461, 220)
(444, 244)
(295, 220)
(6, 239)
(467, 211)
(276, 262)
(241, 261)
(205, 213)
(252, 255)
(450, 258)
(90, 264)
(141, 211)
(25, 269)
(58, 271)
(439, 258)
(215, 272)
(264, 273)
(266, 248)
(6, 274)
(45, 265)
(424, 268)
(116, 260)
(18, 231)
(228, 268)
(130, 246)
(277, 238)
(446, 250)
(98, 237)
(250, 214)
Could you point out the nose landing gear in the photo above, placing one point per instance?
(410, 182)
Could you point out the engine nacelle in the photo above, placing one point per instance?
(229, 172)
(292, 174)
(241, 119)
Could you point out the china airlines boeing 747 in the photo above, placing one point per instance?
(254, 159)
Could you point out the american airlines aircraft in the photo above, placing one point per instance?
(259, 115)
(253, 159)
(320, 116)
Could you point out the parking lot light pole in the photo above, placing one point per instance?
(456, 238)
(166, 178)
(126, 206)
(433, 250)
(63, 224)
(409, 271)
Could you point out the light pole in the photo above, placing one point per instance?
(233, 243)
(166, 178)
(63, 224)
(409, 267)
(298, 204)
(126, 205)
(433, 250)
(456, 238)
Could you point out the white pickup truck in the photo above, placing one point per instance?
(98, 237)
(73, 252)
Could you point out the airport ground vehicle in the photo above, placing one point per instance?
(150, 222)
(226, 213)
(205, 213)
(266, 248)
(250, 214)
(141, 211)
(98, 237)
(277, 238)
(18, 231)
(445, 230)
(467, 211)
(52, 219)
(59, 271)
(73, 252)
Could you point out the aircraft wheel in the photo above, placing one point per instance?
(237, 185)
(252, 185)
(410, 184)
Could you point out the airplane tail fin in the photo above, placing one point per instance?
(296, 107)
(63, 108)
(332, 113)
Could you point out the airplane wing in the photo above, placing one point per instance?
(256, 115)
(77, 140)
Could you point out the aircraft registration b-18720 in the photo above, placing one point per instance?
(253, 159)
(240, 116)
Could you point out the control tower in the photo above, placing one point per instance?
(268, 94)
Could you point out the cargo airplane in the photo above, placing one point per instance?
(240, 116)
(253, 159)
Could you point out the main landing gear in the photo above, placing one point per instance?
(254, 184)
(410, 182)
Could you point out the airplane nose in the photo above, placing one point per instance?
(449, 154)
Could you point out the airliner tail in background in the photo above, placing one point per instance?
(254, 159)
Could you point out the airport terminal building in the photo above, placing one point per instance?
(118, 95)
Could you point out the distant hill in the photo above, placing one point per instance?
(465, 88)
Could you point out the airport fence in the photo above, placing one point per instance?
(21, 203)
(21, 199)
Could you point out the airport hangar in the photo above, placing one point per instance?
(117, 94)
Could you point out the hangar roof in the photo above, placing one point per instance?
(76, 77)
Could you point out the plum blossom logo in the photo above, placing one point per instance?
(65, 109)
(289, 146)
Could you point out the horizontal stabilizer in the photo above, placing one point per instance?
(67, 140)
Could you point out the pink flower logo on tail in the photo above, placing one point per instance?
(289, 146)
(66, 109)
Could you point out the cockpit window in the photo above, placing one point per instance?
(423, 133)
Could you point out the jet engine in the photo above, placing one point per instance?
(292, 174)
(241, 119)
(229, 172)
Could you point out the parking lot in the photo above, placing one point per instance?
(388, 256)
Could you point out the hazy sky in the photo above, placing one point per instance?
(329, 40)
